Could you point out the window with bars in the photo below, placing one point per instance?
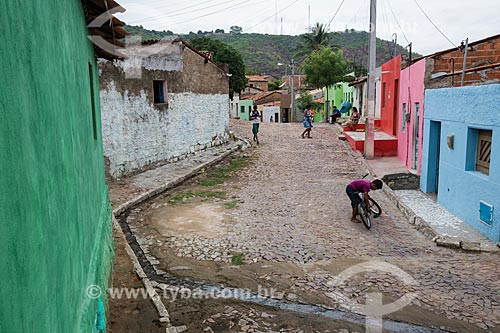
(403, 117)
(483, 151)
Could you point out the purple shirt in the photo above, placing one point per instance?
(361, 185)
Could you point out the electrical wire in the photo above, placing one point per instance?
(269, 17)
(335, 14)
(363, 4)
(397, 22)
(159, 17)
(388, 27)
(435, 26)
(265, 10)
(205, 15)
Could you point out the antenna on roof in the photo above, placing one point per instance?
(309, 22)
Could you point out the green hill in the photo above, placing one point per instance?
(262, 52)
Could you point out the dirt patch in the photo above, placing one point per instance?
(202, 218)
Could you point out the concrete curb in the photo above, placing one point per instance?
(155, 298)
(165, 187)
(424, 227)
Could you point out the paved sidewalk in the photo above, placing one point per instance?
(132, 190)
(432, 219)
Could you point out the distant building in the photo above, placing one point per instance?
(258, 81)
(165, 101)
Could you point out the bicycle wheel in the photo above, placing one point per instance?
(365, 215)
(375, 208)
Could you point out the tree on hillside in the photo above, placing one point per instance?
(313, 41)
(225, 54)
(274, 85)
(324, 68)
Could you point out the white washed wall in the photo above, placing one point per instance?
(136, 134)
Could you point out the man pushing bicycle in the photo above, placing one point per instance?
(361, 186)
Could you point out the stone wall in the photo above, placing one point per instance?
(137, 132)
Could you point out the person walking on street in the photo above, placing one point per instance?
(254, 118)
(307, 122)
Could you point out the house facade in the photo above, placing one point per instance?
(411, 115)
(234, 107)
(389, 96)
(259, 82)
(461, 160)
(439, 70)
(165, 101)
(360, 95)
(56, 239)
(246, 106)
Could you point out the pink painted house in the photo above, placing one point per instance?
(411, 115)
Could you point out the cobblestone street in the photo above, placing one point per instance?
(292, 219)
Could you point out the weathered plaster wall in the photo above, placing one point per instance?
(360, 98)
(411, 91)
(55, 231)
(137, 132)
(460, 189)
(234, 107)
(270, 111)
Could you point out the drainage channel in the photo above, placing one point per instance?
(173, 286)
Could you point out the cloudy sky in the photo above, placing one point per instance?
(456, 19)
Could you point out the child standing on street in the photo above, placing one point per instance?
(254, 118)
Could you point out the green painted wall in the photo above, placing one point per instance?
(334, 95)
(55, 219)
(248, 105)
(318, 116)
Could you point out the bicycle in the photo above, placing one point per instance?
(365, 213)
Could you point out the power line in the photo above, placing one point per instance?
(257, 14)
(385, 17)
(359, 9)
(435, 26)
(387, 23)
(267, 18)
(201, 16)
(335, 14)
(397, 22)
(159, 17)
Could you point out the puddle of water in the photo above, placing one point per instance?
(205, 219)
(247, 296)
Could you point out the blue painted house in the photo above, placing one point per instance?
(461, 153)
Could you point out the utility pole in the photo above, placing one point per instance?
(370, 124)
(465, 61)
(292, 103)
